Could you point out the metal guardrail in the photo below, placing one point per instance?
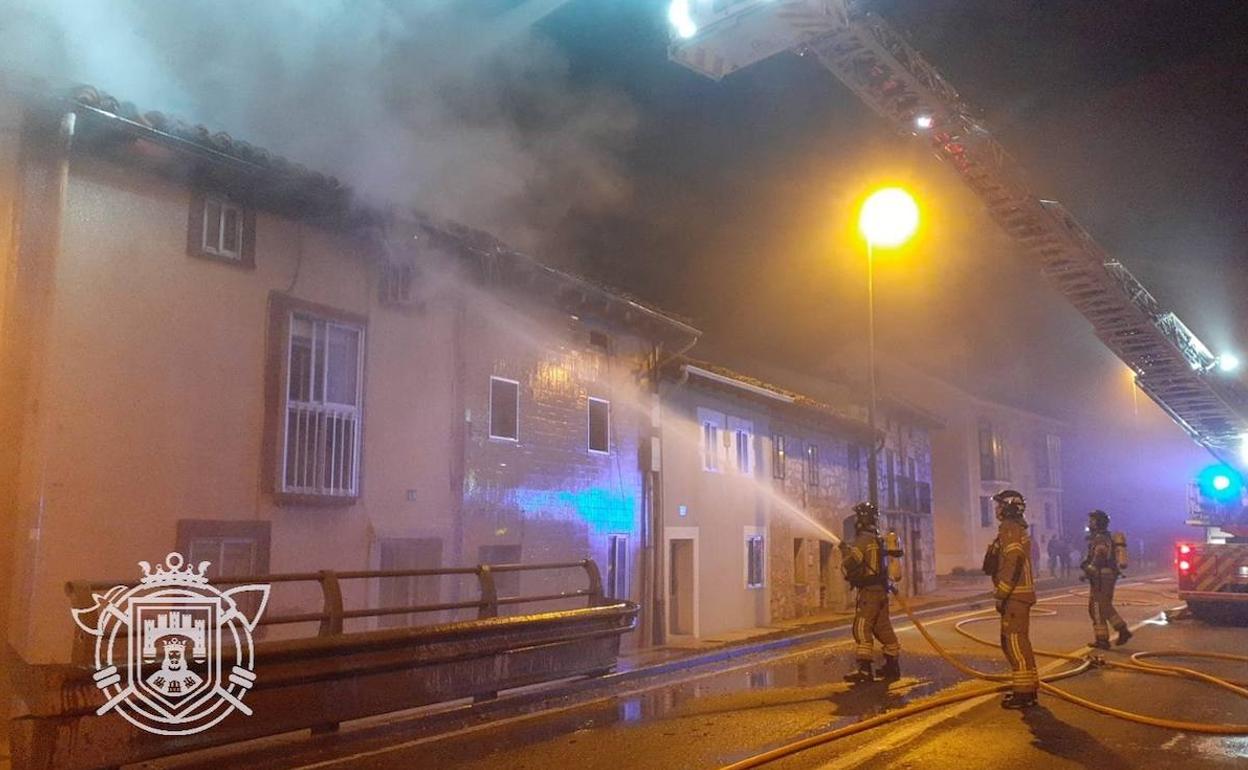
(322, 679)
(333, 613)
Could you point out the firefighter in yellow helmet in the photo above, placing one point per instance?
(1100, 569)
(1008, 561)
(864, 568)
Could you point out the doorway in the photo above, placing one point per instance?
(682, 582)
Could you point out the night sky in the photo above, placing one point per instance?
(743, 191)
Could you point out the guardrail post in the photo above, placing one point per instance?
(331, 591)
(595, 582)
(489, 593)
(80, 598)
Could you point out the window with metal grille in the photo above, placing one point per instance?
(777, 457)
(504, 409)
(617, 567)
(321, 449)
(599, 425)
(754, 558)
(223, 229)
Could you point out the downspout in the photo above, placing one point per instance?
(44, 259)
(652, 555)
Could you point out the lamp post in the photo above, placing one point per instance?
(888, 219)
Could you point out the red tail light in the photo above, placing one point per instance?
(1184, 566)
(1185, 549)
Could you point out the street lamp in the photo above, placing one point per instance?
(888, 218)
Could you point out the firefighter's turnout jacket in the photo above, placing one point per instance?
(1101, 568)
(863, 563)
(1015, 590)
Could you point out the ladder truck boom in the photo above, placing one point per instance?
(1172, 365)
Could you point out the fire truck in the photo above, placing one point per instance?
(1213, 573)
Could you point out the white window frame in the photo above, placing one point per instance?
(490, 411)
(216, 248)
(779, 456)
(314, 415)
(714, 424)
(617, 584)
(756, 534)
(589, 433)
(742, 432)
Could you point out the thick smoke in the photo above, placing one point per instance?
(457, 108)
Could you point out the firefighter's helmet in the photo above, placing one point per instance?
(866, 517)
(1098, 520)
(1011, 502)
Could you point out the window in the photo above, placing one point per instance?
(504, 409)
(322, 416)
(777, 457)
(1049, 462)
(755, 558)
(408, 553)
(890, 477)
(617, 567)
(986, 511)
(742, 445)
(232, 548)
(221, 229)
(599, 425)
(994, 460)
(713, 426)
(812, 465)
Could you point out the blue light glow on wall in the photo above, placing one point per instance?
(601, 508)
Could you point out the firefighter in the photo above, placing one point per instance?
(1100, 569)
(1008, 562)
(864, 568)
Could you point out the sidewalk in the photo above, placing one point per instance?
(950, 590)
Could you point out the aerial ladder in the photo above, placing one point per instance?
(1178, 371)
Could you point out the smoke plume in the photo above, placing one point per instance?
(461, 109)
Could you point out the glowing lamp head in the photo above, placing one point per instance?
(1221, 483)
(679, 16)
(923, 122)
(1228, 362)
(889, 217)
(1185, 565)
(1185, 549)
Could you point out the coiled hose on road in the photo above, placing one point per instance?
(1083, 663)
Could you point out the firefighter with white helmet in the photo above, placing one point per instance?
(1008, 562)
(1102, 566)
(864, 566)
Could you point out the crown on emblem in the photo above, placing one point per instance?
(174, 642)
(174, 573)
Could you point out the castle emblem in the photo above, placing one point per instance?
(173, 654)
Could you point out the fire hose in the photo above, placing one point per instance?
(1082, 664)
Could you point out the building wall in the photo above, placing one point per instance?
(151, 411)
(805, 563)
(961, 534)
(718, 506)
(546, 494)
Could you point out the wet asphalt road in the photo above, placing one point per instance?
(764, 701)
